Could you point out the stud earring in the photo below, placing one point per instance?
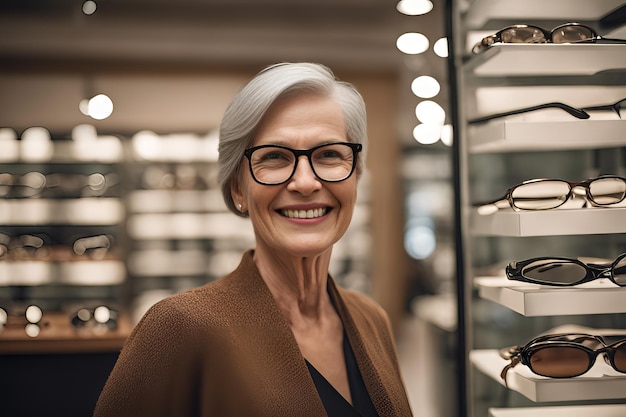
(239, 206)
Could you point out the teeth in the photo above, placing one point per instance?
(304, 214)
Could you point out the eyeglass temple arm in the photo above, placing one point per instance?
(578, 113)
(614, 107)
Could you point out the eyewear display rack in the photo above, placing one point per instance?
(495, 155)
(62, 217)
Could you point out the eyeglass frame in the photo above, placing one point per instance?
(579, 113)
(488, 41)
(508, 196)
(356, 148)
(594, 270)
(522, 354)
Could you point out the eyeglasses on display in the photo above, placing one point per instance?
(36, 184)
(566, 355)
(563, 272)
(33, 316)
(276, 164)
(566, 33)
(100, 318)
(579, 113)
(545, 194)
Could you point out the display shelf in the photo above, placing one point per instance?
(164, 201)
(601, 382)
(189, 226)
(507, 222)
(83, 211)
(482, 12)
(526, 60)
(602, 410)
(57, 335)
(531, 300)
(82, 273)
(509, 136)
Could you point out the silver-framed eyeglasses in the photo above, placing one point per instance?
(276, 164)
(546, 194)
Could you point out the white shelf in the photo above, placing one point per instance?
(601, 382)
(168, 201)
(526, 60)
(81, 211)
(84, 273)
(507, 135)
(483, 11)
(507, 222)
(602, 410)
(189, 226)
(597, 297)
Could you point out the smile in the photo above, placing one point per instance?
(304, 214)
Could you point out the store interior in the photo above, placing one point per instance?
(104, 214)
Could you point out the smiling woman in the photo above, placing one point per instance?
(276, 337)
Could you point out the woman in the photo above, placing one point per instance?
(276, 337)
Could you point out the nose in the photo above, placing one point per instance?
(304, 179)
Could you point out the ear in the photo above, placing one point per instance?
(237, 194)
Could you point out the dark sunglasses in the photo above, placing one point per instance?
(579, 113)
(566, 355)
(545, 194)
(566, 33)
(565, 272)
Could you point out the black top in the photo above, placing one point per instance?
(334, 403)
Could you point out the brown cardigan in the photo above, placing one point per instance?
(224, 350)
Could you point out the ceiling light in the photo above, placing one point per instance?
(425, 86)
(98, 107)
(430, 112)
(427, 133)
(89, 7)
(414, 7)
(412, 43)
(441, 47)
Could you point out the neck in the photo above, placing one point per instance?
(298, 284)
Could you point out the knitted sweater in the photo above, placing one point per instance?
(225, 350)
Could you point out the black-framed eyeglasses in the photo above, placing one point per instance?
(566, 355)
(566, 33)
(276, 164)
(564, 272)
(545, 194)
(580, 113)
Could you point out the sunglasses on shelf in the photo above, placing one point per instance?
(579, 113)
(566, 355)
(566, 33)
(564, 272)
(546, 194)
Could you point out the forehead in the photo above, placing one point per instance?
(306, 117)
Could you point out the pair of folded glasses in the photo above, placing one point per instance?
(31, 319)
(565, 272)
(578, 112)
(546, 194)
(566, 355)
(566, 33)
(36, 184)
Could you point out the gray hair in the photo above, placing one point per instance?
(249, 106)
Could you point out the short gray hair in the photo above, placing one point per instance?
(249, 106)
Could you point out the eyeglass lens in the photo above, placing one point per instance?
(549, 194)
(275, 165)
(569, 272)
(559, 362)
(554, 271)
(570, 361)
